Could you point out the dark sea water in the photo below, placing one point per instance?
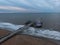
(50, 20)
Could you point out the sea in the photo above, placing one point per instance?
(49, 20)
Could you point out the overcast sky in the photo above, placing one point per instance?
(29, 6)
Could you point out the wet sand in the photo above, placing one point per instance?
(25, 40)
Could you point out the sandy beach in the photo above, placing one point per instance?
(25, 40)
